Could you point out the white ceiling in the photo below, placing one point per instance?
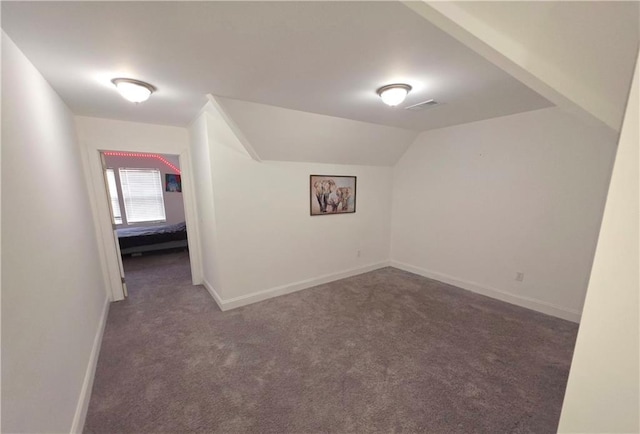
(326, 58)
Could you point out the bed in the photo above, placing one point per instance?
(150, 238)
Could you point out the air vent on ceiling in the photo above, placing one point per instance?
(423, 105)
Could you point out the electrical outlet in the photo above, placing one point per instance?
(519, 276)
(358, 254)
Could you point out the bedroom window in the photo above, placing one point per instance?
(113, 195)
(142, 194)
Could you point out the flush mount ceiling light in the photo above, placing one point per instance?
(133, 90)
(393, 94)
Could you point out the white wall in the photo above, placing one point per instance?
(113, 135)
(476, 203)
(53, 294)
(268, 244)
(173, 205)
(603, 388)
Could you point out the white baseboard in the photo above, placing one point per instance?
(518, 300)
(87, 384)
(213, 293)
(289, 288)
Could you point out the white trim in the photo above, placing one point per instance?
(87, 385)
(255, 297)
(214, 294)
(109, 249)
(96, 212)
(518, 300)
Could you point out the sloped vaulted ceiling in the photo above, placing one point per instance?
(277, 133)
(578, 54)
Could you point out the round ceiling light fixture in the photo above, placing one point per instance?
(394, 94)
(133, 90)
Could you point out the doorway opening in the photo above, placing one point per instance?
(147, 208)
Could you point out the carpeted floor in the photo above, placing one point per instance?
(386, 351)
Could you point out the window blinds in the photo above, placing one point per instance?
(142, 194)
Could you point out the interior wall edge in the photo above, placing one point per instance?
(603, 393)
(237, 131)
(87, 384)
(214, 294)
(203, 202)
(526, 302)
(189, 204)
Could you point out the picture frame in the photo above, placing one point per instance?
(173, 183)
(332, 194)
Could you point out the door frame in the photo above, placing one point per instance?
(113, 226)
(106, 241)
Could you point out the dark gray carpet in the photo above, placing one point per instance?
(386, 351)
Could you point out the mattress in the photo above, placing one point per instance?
(149, 235)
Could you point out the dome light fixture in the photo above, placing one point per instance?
(133, 90)
(394, 94)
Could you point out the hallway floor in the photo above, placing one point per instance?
(386, 351)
